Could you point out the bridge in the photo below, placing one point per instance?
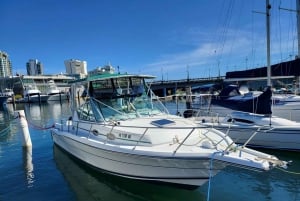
(164, 88)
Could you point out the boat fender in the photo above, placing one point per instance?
(110, 136)
(207, 145)
(95, 132)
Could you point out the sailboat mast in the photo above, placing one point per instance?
(268, 7)
(298, 25)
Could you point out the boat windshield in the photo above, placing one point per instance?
(120, 99)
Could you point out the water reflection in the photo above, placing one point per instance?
(28, 166)
(45, 114)
(89, 184)
(6, 117)
(276, 184)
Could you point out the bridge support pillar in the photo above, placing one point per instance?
(188, 92)
(164, 92)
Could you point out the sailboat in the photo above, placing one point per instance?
(253, 124)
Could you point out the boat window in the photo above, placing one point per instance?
(112, 110)
(240, 120)
(123, 98)
(101, 89)
(85, 112)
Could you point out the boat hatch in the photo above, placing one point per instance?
(162, 122)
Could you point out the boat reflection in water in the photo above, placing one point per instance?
(40, 114)
(6, 116)
(89, 184)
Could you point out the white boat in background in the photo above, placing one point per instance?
(286, 100)
(8, 92)
(54, 93)
(255, 125)
(5, 96)
(255, 130)
(32, 94)
(120, 129)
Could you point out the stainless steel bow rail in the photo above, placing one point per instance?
(74, 126)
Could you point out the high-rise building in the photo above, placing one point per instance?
(5, 65)
(74, 66)
(34, 67)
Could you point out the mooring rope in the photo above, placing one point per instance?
(36, 126)
(289, 172)
(210, 173)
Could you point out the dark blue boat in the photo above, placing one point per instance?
(231, 97)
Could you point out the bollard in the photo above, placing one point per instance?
(26, 140)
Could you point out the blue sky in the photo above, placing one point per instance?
(166, 38)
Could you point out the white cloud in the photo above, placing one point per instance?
(203, 55)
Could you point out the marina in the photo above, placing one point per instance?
(52, 174)
(216, 130)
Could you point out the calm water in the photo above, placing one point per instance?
(47, 173)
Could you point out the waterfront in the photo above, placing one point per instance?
(51, 174)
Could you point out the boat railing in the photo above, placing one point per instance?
(140, 139)
(72, 126)
(259, 129)
(214, 118)
(180, 144)
(207, 115)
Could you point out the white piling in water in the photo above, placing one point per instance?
(26, 140)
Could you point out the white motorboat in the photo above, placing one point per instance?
(286, 100)
(255, 130)
(32, 94)
(54, 93)
(120, 129)
(5, 96)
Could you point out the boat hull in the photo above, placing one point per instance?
(34, 99)
(58, 97)
(189, 171)
(284, 138)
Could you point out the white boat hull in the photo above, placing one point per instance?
(132, 135)
(284, 138)
(191, 171)
(58, 97)
(255, 130)
(34, 99)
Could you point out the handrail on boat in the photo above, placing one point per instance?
(254, 133)
(140, 139)
(183, 141)
(216, 115)
(113, 125)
